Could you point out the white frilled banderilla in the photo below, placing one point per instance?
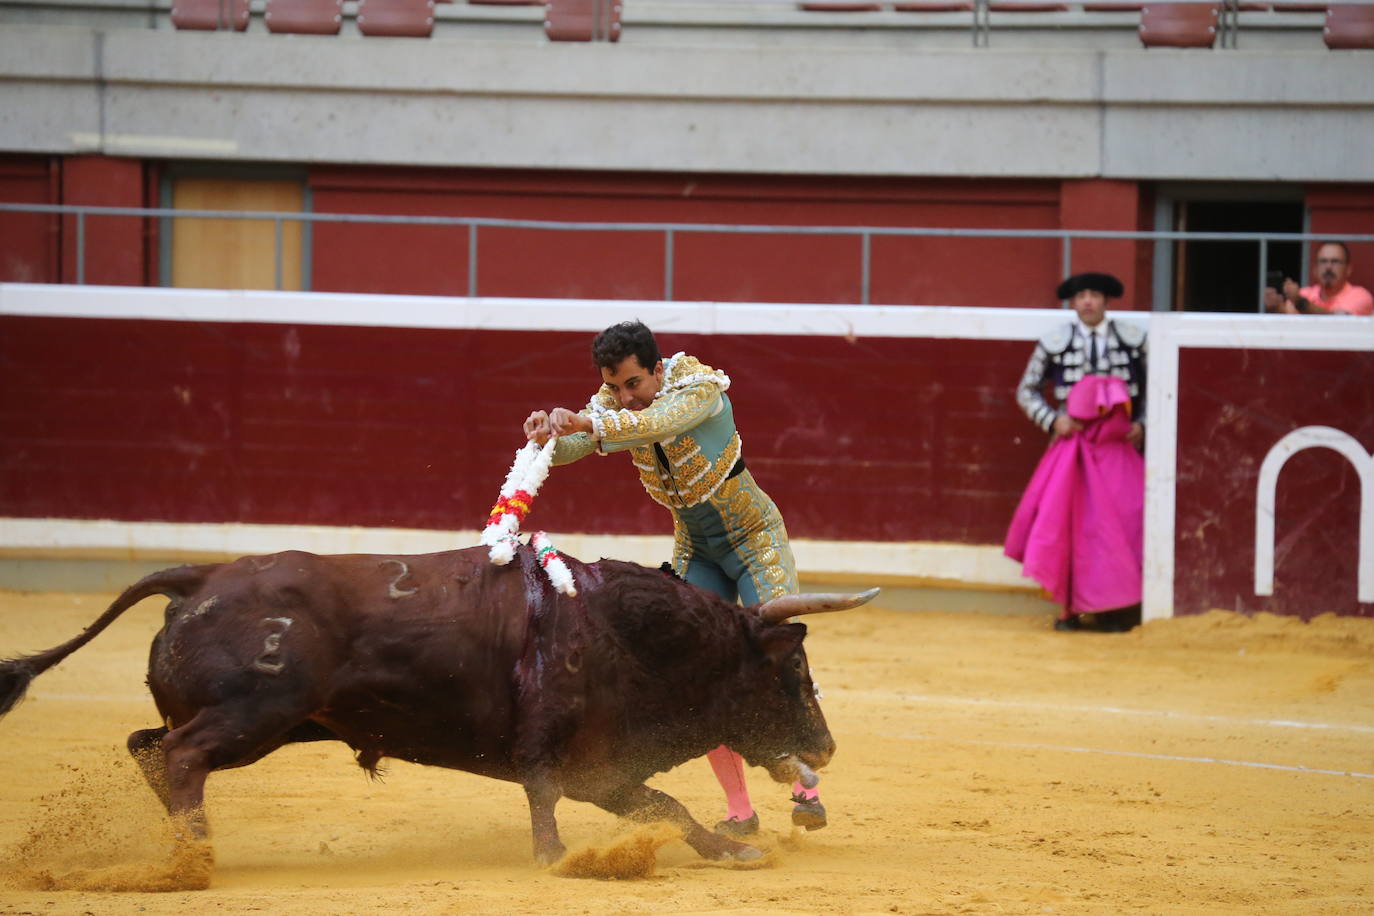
(502, 531)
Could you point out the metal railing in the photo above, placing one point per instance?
(670, 231)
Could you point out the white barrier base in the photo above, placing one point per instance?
(962, 566)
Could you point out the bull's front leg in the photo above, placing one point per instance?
(642, 803)
(543, 794)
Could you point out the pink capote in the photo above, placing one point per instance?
(1079, 529)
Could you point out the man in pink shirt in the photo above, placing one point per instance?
(1334, 294)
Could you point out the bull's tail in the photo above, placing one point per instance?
(16, 673)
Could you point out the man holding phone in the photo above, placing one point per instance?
(1332, 294)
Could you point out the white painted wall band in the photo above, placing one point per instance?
(497, 314)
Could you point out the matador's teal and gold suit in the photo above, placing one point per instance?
(728, 535)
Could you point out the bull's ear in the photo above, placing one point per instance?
(778, 642)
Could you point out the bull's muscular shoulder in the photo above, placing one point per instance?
(1058, 340)
(660, 620)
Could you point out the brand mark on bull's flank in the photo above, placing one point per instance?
(269, 662)
(391, 590)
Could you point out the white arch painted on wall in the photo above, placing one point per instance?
(1287, 447)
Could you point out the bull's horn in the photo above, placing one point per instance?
(779, 609)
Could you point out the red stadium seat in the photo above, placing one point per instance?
(1178, 25)
(502, 2)
(1349, 27)
(396, 18)
(1017, 6)
(582, 20)
(1109, 5)
(304, 17)
(839, 6)
(920, 6)
(209, 15)
(1299, 7)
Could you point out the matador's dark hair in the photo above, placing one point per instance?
(629, 338)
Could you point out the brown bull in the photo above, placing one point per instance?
(446, 660)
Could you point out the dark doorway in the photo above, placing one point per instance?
(1224, 276)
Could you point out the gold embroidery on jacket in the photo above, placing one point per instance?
(762, 539)
(757, 536)
(689, 483)
(672, 414)
(682, 547)
(692, 393)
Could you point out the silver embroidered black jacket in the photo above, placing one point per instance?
(1061, 359)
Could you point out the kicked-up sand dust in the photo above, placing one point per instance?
(98, 833)
(986, 764)
(630, 855)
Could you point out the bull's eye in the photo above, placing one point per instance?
(797, 665)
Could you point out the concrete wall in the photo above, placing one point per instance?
(1129, 113)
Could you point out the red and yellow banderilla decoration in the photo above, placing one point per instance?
(502, 531)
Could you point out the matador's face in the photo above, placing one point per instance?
(1090, 305)
(633, 385)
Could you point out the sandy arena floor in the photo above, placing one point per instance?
(986, 765)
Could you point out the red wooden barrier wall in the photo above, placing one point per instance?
(882, 438)
(1233, 406)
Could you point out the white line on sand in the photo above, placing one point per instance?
(1112, 710)
(1095, 750)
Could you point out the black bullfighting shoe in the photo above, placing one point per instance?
(808, 812)
(735, 827)
(1068, 624)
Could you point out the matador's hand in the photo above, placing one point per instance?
(537, 428)
(1065, 425)
(565, 422)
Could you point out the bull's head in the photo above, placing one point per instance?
(788, 735)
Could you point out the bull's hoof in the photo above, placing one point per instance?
(549, 855)
(808, 813)
(744, 853)
(735, 827)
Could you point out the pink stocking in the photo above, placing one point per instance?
(729, 769)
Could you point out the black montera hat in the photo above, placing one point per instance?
(1105, 284)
